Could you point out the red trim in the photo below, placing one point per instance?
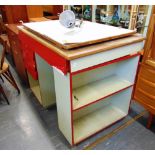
(71, 110)
(105, 63)
(126, 57)
(100, 130)
(46, 53)
(95, 102)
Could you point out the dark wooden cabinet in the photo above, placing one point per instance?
(14, 13)
(16, 51)
(57, 9)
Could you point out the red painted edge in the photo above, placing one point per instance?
(105, 63)
(95, 102)
(50, 56)
(100, 130)
(71, 109)
(127, 57)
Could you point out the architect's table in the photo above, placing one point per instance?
(93, 84)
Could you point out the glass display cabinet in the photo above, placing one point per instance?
(125, 16)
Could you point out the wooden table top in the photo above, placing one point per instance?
(86, 50)
(69, 38)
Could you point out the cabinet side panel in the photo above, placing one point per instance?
(128, 69)
(122, 100)
(46, 82)
(62, 88)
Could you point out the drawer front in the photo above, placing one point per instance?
(51, 57)
(29, 61)
(146, 86)
(142, 98)
(99, 58)
(147, 73)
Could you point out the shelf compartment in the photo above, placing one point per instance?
(97, 90)
(34, 85)
(81, 125)
(93, 85)
(96, 117)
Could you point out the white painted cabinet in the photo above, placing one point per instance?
(90, 98)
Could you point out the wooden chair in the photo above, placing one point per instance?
(3, 93)
(5, 72)
(3, 35)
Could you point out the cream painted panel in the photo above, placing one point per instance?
(46, 82)
(62, 88)
(92, 60)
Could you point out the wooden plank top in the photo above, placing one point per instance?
(86, 50)
(68, 38)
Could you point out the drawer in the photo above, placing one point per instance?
(142, 97)
(29, 61)
(146, 86)
(99, 58)
(51, 57)
(147, 73)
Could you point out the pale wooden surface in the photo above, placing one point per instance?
(87, 50)
(67, 38)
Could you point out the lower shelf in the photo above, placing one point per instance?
(94, 122)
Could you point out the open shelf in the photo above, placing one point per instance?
(96, 117)
(91, 123)
(34, 85)
(100, 89)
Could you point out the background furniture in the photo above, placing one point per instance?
(3, 93)
(3, 35)
(5, 72)
(127, 16)
(17, 53)
(13, 13)
(145, 86)
(47, 11)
